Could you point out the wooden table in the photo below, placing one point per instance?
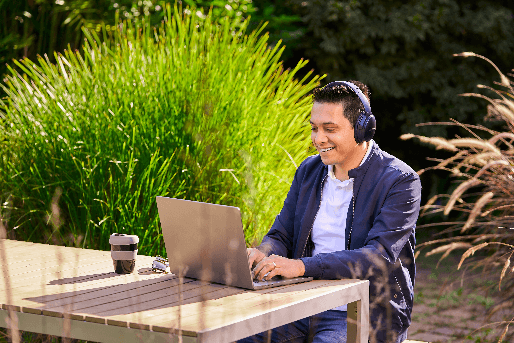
(75, 293)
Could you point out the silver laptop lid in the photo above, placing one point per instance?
(205, 240)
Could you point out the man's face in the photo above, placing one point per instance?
(332, 133)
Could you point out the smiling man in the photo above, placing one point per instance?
(351, 212)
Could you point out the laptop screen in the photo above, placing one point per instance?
(205, 241)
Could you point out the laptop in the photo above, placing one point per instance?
(206, 242)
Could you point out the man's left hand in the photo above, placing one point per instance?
(278, 265)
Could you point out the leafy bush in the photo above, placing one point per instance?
(194, 109)
(486, 166)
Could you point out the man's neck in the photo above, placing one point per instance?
(341, 170)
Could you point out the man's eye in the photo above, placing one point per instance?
(313, 129)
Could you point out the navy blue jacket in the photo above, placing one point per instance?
(380, 235)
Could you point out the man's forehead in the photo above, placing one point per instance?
(334, 110)
(328, 103)
(332, 107)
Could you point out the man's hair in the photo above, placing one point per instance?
(344, 95)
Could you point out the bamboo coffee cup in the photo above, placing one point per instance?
(123, 252)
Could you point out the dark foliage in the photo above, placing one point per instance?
(403, 51)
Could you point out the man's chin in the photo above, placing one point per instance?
(326, 161)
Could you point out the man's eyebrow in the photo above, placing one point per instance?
(325, 123)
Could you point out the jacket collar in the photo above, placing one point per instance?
(359, 172)
(355, 172)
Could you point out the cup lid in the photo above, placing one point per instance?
(123, 239)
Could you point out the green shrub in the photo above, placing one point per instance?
(194, 110)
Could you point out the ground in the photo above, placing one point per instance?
(450, 305)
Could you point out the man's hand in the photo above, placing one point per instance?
(254, 256)
(278, 265)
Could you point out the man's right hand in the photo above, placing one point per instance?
(254, 256)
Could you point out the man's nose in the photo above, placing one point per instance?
(319, 137)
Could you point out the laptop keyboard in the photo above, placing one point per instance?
(273, 281)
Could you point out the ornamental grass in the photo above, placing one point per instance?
(483, 165)
(194, 109)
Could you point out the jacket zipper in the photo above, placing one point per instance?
(351, 224)
(353, 210)
(319, 206)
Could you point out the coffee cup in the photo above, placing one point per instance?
(123, 252)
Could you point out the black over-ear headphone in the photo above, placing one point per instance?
(366, 124)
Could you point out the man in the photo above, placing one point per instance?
(351, 212)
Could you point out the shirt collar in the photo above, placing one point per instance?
(368, 151)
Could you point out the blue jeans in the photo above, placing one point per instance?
(325, 327)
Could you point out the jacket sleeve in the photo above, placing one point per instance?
(390, 232)
(279, 239)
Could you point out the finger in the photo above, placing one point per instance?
(268, 275)
(265, 271)
(259, 266)
(250, 258)
(255, 256)
(258, 256)
(254, 259)
(272, 273)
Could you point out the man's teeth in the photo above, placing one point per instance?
(327, 149)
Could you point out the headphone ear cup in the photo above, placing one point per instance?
(365, 128)
(371, 127)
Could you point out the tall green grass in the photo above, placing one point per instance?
(194, 109)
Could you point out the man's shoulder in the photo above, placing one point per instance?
(390, 163)
(312, 161)
(310, 167)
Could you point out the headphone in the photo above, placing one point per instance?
(366, 124)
